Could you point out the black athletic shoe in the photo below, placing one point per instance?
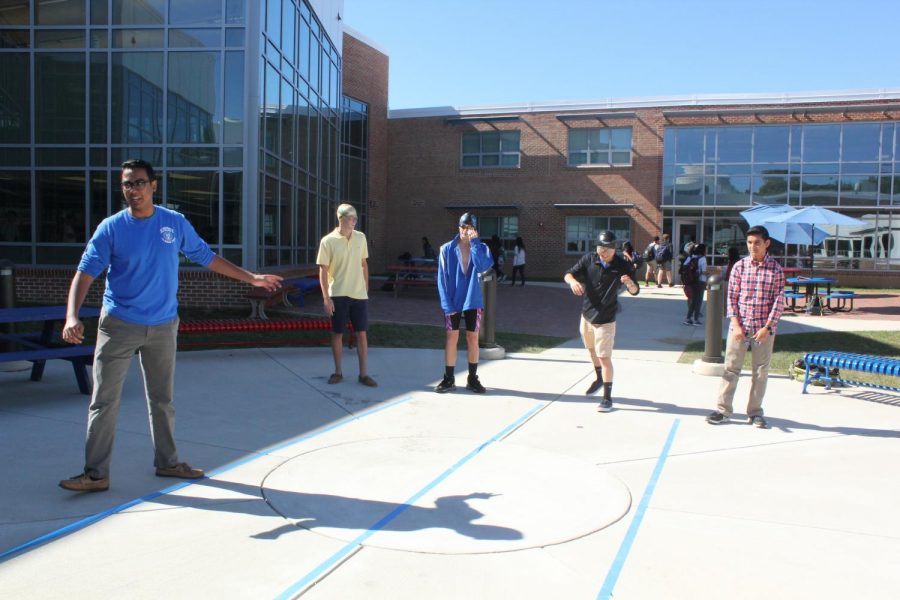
(605, 405)
(758, 422)
(715, 418)
(474, 385)
(595, 385)
(447, 384)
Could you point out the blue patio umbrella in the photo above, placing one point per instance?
(786, 233)
(816, 215)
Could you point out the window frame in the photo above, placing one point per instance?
(500, 153)
(590, 242)
(610, 149)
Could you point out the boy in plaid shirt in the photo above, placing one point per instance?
(755, 303)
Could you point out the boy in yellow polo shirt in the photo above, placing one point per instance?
(344, 278)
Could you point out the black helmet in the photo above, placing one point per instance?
(607, 239)
(468, 219)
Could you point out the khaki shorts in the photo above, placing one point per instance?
(598, 337)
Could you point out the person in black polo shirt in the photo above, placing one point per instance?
(597, 278)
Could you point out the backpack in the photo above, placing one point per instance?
(689, 272)
(664, 254)
(649, 253)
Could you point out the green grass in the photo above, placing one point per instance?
(790, 347)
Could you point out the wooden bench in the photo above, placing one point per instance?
(832, 359)
(79, 355)
(413, 276)
(261, 299)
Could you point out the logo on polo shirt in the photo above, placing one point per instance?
(167, 234)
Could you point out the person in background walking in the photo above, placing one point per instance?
(497, 254)
(734, 255)
(664, 261)
(755, 303)
(650, 258)
(694, 288)
(518, 261)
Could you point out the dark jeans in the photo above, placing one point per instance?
(695, 300)
(520, 269)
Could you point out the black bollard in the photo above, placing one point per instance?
(489, 293)
(8, 298)
(715, 313)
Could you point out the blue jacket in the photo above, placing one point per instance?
(462, 291)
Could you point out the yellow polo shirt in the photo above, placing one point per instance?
(343, 260)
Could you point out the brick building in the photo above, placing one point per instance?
(557, 174)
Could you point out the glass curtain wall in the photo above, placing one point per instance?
(300, 120)
(355, 157)
(161, 80)
(713, 173)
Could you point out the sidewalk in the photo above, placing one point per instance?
(396, 492)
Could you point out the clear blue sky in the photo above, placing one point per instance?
(474, 52)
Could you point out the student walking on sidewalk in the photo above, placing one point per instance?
(597, 278)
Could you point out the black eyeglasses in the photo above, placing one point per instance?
(137, 184)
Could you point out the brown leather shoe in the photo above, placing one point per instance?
(335, 378)
(84, 483)
(182, 470)
(366, 380)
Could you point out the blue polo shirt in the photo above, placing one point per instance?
(142, 258)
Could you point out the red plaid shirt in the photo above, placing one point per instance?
(756, 293)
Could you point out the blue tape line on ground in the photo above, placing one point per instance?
(351, 546)
(619, 561)
(72, 527)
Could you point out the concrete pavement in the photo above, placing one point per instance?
(396, 492)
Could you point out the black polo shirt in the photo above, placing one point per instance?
(601, 286)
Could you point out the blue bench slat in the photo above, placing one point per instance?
(881, 365)
(47, 353)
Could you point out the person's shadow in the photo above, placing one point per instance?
(311, 511)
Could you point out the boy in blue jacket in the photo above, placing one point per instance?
(460, 261)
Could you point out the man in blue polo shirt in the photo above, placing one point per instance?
(139, 246)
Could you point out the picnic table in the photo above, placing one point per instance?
(38, 348)
(417, 272)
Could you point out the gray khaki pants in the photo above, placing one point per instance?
(117, 343)
(735, 351)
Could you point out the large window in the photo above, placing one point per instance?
(837, 164)
(600, 147)
(582, 232)
(505, 228)
(491, 149)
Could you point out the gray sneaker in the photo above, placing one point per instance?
(605, 405)
(716, 418)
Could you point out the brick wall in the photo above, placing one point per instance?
(424, 175)
(196, 288)
(366, 79)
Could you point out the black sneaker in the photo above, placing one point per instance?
(605, 405)
(687, 322)
(447, 384)
(758, 422)
(698, 323)
(474, 385)
(715, 418)
(595, 385)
